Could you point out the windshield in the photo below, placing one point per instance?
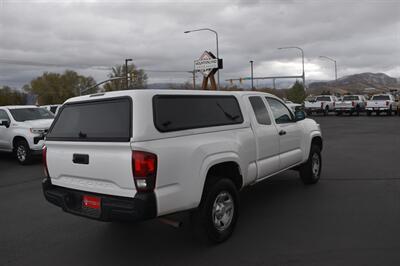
(350, 98)
(381, 98)
(323, 99)
(25, 114)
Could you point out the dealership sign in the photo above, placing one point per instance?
(207, 64)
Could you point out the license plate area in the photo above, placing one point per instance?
(91, 206)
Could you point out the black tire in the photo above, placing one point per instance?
(308, 171)
(357, 110)
(326, 111)
(389, 112)
(203, 218)
(23, 152)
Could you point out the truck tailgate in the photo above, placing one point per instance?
(104, 168)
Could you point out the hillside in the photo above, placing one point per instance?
(357, 83)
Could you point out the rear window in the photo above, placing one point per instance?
(323, 99)
(381, 98)
(180, 112)
(107, 120)
(350, 98)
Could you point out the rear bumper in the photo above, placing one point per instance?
(113, 208)
(377, 108)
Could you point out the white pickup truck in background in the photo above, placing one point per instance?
(382, 103)
(320, 104)
(350, 104)
(141, 154)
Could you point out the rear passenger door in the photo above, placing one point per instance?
(267, 138)
(289, 132)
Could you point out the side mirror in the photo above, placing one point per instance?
(300, 115)
(5, 123)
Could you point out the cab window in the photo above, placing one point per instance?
(280, 112)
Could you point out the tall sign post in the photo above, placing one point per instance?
(208, 65)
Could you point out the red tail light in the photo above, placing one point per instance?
(353, 104)
(387, 103)
(334, 104)
(366, 103)
(144, 166)
(322, 104)
(44, 159)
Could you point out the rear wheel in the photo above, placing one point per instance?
(23, 152)
(326, 111)
(215, 219)
(389, 112)
(310, 171)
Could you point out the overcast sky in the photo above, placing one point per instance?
(92, 36)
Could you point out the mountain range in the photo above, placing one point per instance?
(357, 83)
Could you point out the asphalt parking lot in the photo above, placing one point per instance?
(351, 217)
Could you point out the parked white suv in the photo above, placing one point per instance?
(22, 130)
(141, 154)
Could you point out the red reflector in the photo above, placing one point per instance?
(91, 202)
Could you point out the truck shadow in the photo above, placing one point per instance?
(258, 204)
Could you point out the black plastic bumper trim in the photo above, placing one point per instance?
(113, 208)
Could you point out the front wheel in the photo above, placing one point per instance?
(215, 218)
(310, 171)
(23, 152)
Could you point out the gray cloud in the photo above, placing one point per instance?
(89, 36)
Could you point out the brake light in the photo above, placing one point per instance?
(144, 167)
(353, 104)
(387, 103)
(44, 159)
(334, 104)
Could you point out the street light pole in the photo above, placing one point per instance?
(126, 71)
(302, 59)
(252, 77)
(216, 40)
(334, 61)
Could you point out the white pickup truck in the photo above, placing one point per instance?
(143, 154)
(382, 103)
(350, 104)
(320, 104)
(22, 130)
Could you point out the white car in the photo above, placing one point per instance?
(22, 130)
(142, 154)
(52, 108)
(320, 104)
(382, 103)
(293, 106)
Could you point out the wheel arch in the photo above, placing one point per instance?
(16, 139)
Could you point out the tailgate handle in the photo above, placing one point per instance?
(80, 158)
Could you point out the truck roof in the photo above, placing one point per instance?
(147, 92)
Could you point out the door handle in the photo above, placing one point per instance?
(282, 132)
